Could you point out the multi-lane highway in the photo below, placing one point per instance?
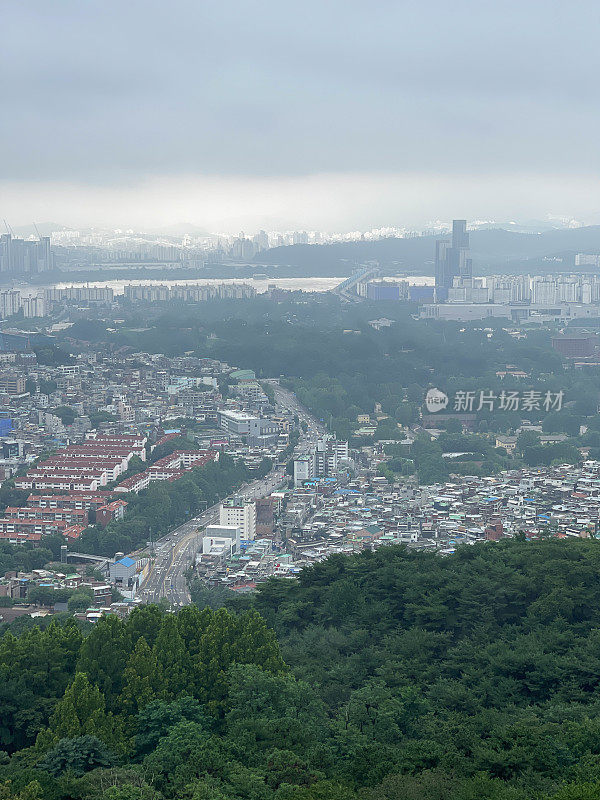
(288, 401)
(176, 551)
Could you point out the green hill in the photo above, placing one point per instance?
(491, 249)
(409, 676)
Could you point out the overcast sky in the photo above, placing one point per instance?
(332, 115)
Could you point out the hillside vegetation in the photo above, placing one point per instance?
(494, 248)
(398, 676)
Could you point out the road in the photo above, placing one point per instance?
(176, 551)
(287, 400)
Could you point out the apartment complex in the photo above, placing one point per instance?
(322, 461)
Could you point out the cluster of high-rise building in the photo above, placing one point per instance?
(79, 294)
(321, 461)
(25, 256)
(536, 289)
(244, 247)
(587, 260)
(190, 293)
(12, 301)
(77, 248)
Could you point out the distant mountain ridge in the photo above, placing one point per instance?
(491, 248)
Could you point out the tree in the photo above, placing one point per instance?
(284, 767)
(577, 791)
(172, 660)
(97, 417)
(103, 657)
(212, 596)
(385, 471)
(415, 393)
(406, 413)
(387, 429)
(81, 599)
(432, 469)
(527, 439)
(47, 387)
(561, 452)
(93, 572)
(185, 754)
(227, 639)
(130, 792)
(116, 783)
(561, 422)
(47, 595)
(142, 679)
(265, 466)
(66, 414)
(382, 714)
(453, 425)
(145, 621)
(157, 718)
(81, 712)
(35, 669)
(266, 711)
(77, 755)
(32, 791)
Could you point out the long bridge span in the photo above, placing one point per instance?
(347, 288)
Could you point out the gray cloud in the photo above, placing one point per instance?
(113, 93)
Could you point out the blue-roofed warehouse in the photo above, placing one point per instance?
(123, 571)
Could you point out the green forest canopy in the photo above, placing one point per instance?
(395, 675)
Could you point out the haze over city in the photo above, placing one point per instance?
(299, 400)
(332, 116)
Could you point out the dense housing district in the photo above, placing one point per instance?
(135, 475)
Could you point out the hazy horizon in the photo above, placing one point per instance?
(329, 117)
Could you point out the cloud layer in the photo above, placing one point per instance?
(275, 110)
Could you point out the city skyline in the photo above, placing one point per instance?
(61, 232)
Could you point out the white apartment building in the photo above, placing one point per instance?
(541, 290)
(323, 462)
(10, 302)
(33, 306)
(587, 259)
(240, 514)
(304, 469)
(329, 452)
(544, 292)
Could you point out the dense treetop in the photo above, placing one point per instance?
(398, 675)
